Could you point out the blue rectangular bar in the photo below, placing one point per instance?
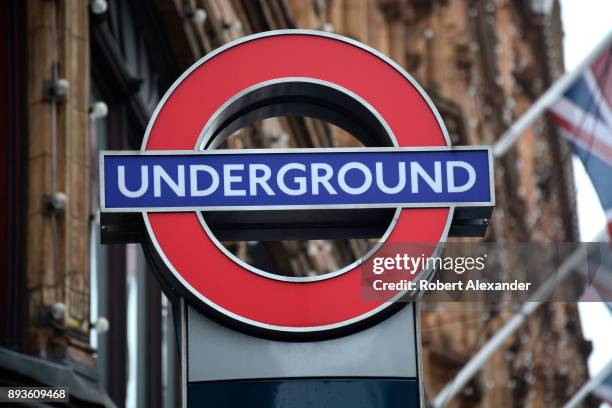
(296, 178)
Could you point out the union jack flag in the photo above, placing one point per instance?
(584, 116)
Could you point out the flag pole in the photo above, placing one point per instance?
(509, 137)
(589, 386)
(535, 300)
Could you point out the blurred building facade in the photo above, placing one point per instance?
(483, 62)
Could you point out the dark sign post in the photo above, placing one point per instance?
(256, 338)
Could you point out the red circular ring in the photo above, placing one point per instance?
(181, 241)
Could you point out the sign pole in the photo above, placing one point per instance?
(376, 368)
(183, 350)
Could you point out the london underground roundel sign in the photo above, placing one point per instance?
(179, 172)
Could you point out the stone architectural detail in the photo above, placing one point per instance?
(58, 243)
